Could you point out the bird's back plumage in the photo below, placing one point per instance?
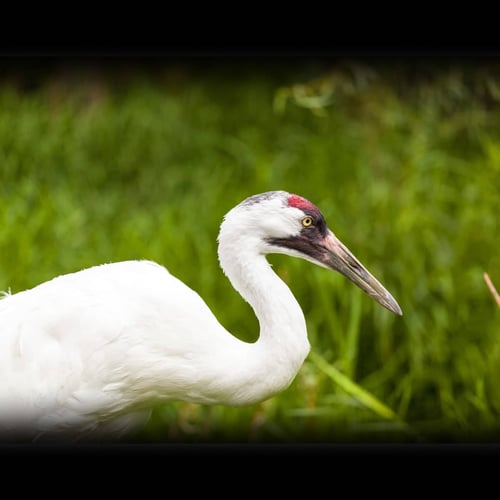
(71, 344)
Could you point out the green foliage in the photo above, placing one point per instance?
(404, 162)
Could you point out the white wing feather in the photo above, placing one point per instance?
(69, 346)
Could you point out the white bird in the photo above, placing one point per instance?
(90, 353)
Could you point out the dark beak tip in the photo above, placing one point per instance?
(394, 307)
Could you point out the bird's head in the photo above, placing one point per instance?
(285, 223)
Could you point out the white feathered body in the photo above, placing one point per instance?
(111, 341)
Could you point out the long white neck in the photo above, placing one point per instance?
(275, 358)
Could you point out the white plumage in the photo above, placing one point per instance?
(91, 352)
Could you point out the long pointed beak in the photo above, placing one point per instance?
(338, 257)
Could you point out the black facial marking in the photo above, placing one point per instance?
(306, 243)
(319, 222)
(309, 240)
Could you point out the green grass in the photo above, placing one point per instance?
(404, 161)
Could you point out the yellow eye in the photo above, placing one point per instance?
(307, 221)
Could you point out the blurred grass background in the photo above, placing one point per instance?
(109, 160)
